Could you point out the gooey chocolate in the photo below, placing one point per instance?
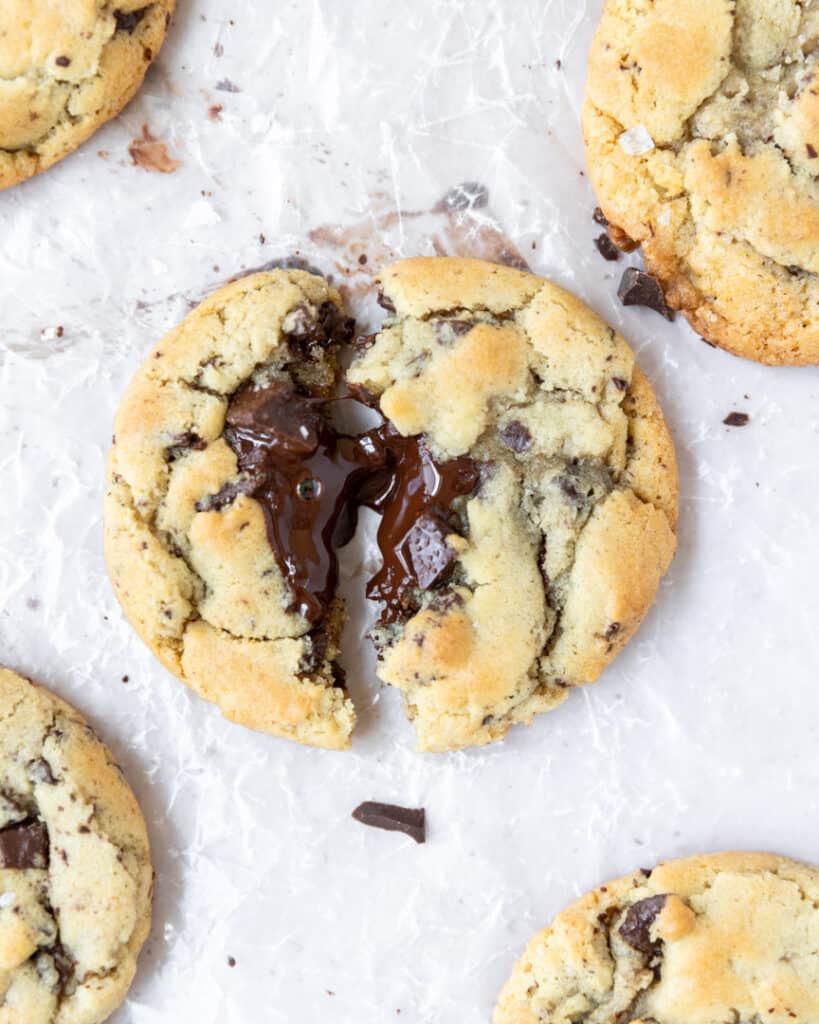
(311, 480)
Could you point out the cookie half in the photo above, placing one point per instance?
(75, 869)
(530, 581)
(225, 505)
(65, 69)
(701, 123)
(708, 939)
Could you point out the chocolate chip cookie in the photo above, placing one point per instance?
(65, 69)
(75, 870)
(701, 123)
(725, 937)
(548, 512)
(524, 476)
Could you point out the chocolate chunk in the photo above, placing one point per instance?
(385, 302)
(62, 62)
(39, 770)
(181, 443)
(363, 395)
(418, 485)
(447, 331)
(516, 436)
(469, 195)
(636, 929)
(811, 151)
(619, 383)
(737, 419)
(24, 845)
(127, 21)
(410, 821)
(429, 552)
(225, 496)
(637, 288)
(327, 326)
(599, 217)
(607, 249)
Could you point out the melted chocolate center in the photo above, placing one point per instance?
(311, 481)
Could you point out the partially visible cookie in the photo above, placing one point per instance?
(549, 495)
(701, 123)
(65, 68)
(704, 940)
(75, 869)
(225, 505)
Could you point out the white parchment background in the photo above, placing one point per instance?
(701, 736)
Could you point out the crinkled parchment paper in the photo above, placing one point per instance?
(333, 129)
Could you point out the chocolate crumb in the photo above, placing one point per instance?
(607, 249)
(599, 217)
(362, 260)
(391, 818)
(636, 929)
(637, 288)
(736, 419)
(811, 150)
(125, 679)
(231, 961)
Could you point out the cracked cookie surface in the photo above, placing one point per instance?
(193, 504)
(556, 555)
(701, 124)
(65, 69)
(75, 870)
(703, 940)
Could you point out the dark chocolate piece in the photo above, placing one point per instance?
(311, 481)
(63, 62)
(811, 151)
(636, 929)
(607, 249)
(385, 302)
(24, 845)
(410, 821)
(189, 441)
(637, 288)
(599, 217)
(417, 484)
(127, 21)
(469, 195)
(737, 419)
(327, 326)
(516, 436)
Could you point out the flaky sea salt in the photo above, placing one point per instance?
(636, 141)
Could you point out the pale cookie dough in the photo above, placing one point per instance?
(704, 940)
(558, 553)
(187, 547)
(701, 123)
(75, 869)
(66, 67)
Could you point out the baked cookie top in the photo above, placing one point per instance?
(544, 570)
(704, 940)
(65, 69)
(701, 124)
(523, 471)
(75, 870)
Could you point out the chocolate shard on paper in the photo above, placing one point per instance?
(736, 419)
(607, 249)
(409, 820)
(24, 845)
(637, 288)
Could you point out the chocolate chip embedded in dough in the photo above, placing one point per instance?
(429, 551)
(517, 436)
(636, 928)
(24, 845)
(127, 21)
